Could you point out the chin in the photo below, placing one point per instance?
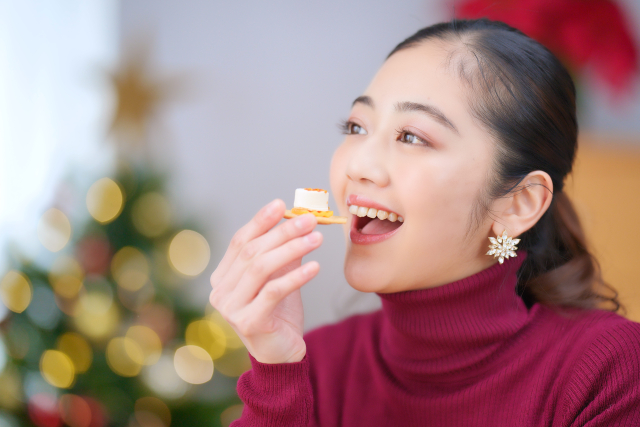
(364, 275)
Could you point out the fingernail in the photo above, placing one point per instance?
(306, 270)
(301, 221)
(313, 237)
(270, 209)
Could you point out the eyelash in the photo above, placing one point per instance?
(346, 128)
(402, 132)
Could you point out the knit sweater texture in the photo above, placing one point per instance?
(469, 353)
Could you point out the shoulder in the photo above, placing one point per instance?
(582, 329)
(605, 373)
(611, 342)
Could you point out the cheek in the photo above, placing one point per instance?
(338, 176)
(443, 195)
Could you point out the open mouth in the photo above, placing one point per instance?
(370, 225)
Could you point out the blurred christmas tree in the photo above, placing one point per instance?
(102, 334)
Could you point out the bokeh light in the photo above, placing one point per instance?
(94, 254)
(189, 253)
(233, 340)
(234, 362)
(43, 410)
(96, 316)
(193, 364)
(161, 319)
(11, 390)
(74, 411)
(57, 369)
(231, 414)
(16, 291)
(207, 335)
(124, 356)
(8, 420)
(148, 342)
(78, 350)
(130, 268)
(151, 214)
(4, 311)
(149, 410)
(137, 300)
(105, 200)
(163, 379)
(54, 230)
(18, 339)
(66, 276)
(43, 310)
(3, 355)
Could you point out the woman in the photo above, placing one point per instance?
(467, 131)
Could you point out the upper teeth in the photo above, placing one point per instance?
(362, 211)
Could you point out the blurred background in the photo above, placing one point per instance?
(137, 136)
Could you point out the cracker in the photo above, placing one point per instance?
(321, 220)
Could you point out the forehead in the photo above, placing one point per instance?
(420, 73)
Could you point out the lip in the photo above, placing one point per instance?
(367, 239)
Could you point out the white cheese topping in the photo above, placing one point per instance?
(311, 200)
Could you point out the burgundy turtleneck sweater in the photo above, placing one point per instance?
(468, 353)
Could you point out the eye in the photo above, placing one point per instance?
(351, 128)
(409, 138)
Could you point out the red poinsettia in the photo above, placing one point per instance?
(582, 33)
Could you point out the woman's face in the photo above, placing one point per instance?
(413, 149)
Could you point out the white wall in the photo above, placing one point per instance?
(54, 108)
(269, 81)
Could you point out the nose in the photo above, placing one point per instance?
(367, 163)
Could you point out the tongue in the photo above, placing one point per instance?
(377, 226)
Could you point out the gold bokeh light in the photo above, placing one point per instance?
(151, 411)
(189, 253)
(233, 340)
(193, 364)
(105, 200)
(124, 356)
(57, 369)
(148, 342)
(231, 414)
(151, 214)
(130, 268)
(207, 335)
(234, 362)
(16, 291)
(54, 230)
(78, 350)
(96, 316)
(66, 276)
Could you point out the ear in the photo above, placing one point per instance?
(521, 210)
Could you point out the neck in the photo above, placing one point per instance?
(440, 333)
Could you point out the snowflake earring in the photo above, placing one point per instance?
(503, 247)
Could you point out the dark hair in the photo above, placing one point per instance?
(525, 98)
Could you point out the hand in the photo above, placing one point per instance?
(256, 286)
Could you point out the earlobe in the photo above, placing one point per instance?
(528, 202)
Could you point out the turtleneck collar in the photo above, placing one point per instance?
(454, 331)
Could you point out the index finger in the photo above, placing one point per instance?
(262, 222)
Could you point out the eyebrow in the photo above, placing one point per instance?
(430, 110)
(366, 100)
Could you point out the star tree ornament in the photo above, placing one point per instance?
(503, 247)
(139, 94)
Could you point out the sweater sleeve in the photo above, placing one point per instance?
(605, 386)
(276, 395)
